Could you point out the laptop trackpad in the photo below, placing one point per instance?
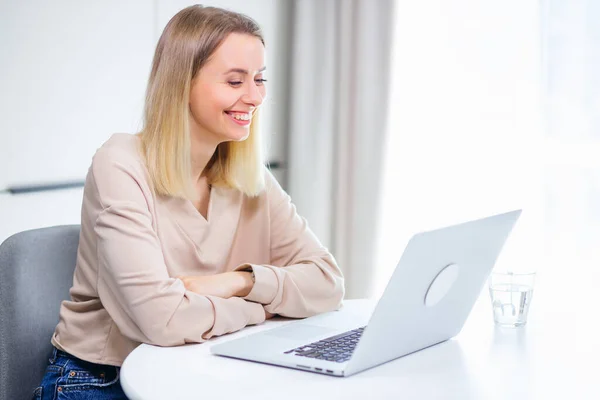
(300, 331)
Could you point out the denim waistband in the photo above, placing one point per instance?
(59, 353)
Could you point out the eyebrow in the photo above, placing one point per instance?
(243, 71)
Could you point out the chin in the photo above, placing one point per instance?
(237, 136)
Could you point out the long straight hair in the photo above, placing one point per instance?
(186, 44)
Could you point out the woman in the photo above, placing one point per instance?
(184, 234)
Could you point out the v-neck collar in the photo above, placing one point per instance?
(217, 230)
(208, 209)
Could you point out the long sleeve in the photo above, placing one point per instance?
(303, 278)
(134, 286)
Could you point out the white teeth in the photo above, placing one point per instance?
(241, 117)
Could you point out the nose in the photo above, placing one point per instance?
(254, 94)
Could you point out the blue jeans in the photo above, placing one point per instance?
(68, 377)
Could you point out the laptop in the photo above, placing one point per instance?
(426, 301)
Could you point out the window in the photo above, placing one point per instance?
(496, 106)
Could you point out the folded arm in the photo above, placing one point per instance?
(303, 278)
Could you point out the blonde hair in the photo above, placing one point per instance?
(186, 44)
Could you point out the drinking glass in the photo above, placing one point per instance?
(511, 295)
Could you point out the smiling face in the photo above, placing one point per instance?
(227, 90)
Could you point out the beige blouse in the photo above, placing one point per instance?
(133, 244)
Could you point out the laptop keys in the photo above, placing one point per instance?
(336, 348)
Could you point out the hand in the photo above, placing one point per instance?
(268, 315)
(225, 285)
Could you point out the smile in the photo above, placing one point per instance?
(240, 118)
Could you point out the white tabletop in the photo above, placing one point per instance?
(553, 356)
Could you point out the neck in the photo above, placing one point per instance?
(203, 146)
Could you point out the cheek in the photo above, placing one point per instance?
(222, 101)
(219, 99)
(208, 108)
(197, 101)
(199, 109)
(209, 99)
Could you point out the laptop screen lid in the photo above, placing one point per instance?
(432, 290)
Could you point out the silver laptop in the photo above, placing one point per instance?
(427, 300)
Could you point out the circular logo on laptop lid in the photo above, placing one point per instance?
(441, 285)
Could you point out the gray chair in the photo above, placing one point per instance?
(36, 273)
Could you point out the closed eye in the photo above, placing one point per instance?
(259, 82)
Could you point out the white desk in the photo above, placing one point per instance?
(543, 360)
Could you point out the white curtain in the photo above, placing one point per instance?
(339, 96)
(571, 165)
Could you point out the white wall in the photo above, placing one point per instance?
(72, 73)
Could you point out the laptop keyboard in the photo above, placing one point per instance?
(336, 348)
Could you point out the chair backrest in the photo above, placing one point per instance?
(36, 273)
